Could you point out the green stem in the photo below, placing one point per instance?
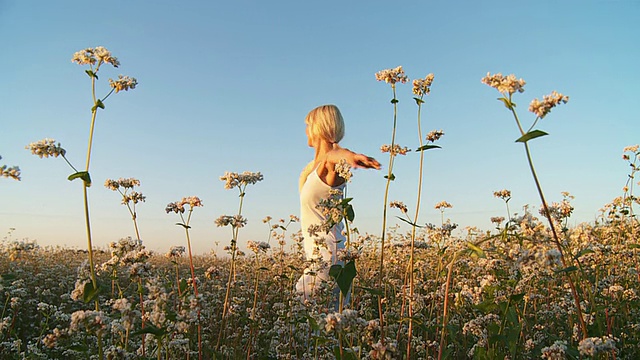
(413, 234)
(556, 240)
(384, 215)
(193, 280)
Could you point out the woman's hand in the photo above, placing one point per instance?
(364, 161)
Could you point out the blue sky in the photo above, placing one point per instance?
(225, 86)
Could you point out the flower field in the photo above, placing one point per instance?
(505, 298)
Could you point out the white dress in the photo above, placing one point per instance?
(313, 190)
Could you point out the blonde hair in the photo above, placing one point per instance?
(326, 122)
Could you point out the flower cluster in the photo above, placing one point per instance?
(258, 247)
(442, 205)
(45, 148)
(125, 183)
(557, 351)
(595, 345)
(333, 209)
(233, 179)
(175, 252)
(504, 84)
(123, 83)
(434, 135)
(503, 194)
(542, 108)
(10, 172)
(236, 221)
(398, 205)
(422, 87)
(395, 150)
(178, 206)
(95, 55)
(392, 76)
(632, 149)
(344, 170)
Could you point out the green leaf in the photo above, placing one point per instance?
(531, 135)
(392, 177)
(150, 329)
(90, 293)
(507, 103)
(476, 250)
(184, 225)
(351, 215)
(583, 252)
(516, 297)
(633, 246)
(567, 270)
(394, 101)
(91, 74)
(9, 277)
(98, 104)
(409, 222)
(347, 354)
(183, 286)
(418, 101)
(427, 147)
(371, 291)
(344, 275)
(84, 175)
(313, 324)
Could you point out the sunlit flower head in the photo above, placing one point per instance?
(45, 148)
(398, 205)
(395, 150)
(134, 197)
(267, 219)
(10, 172)
(504, 84)
(503, 194)
(236, 221)
(175, 252)
(123, 83)
(392, 76)
(233, 179)
(434, 135)
(422, 87)
(542, 108)
(176, 207)
(127, 183)
(632, 149)
(95, 55)
(442, 205)
(258, 247)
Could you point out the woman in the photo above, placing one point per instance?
(325, 129)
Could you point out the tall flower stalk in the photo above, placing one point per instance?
(94, 58)
(130, 198)
(178, 207)
(389, 76)
(421, 87)
(239, 181)
(507, 86)
(631, 154)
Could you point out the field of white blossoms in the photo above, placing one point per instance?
(507, 298)
(530, 288)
